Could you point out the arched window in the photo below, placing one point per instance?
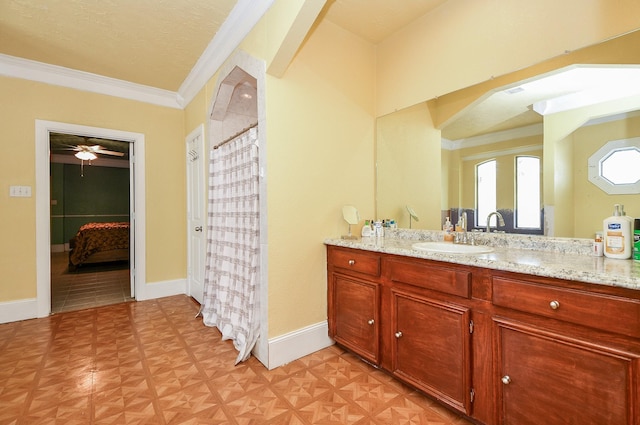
(485, 191)
(527, 208)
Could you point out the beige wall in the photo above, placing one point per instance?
(580, 206)
(591, 204)
(21, 104)
(465, 42)
(319, 123)
(408, 155)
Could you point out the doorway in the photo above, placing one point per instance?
(90, 187)
(43, 205)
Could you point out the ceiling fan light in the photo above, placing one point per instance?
(86, 156)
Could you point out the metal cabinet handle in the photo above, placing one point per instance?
(398, 334)
(371, 321)
(554, 305)
(352, 262)
(506, 379)
(198, 229)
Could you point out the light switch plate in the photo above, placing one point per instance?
(20, 191)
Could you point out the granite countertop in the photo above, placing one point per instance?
(560, 258)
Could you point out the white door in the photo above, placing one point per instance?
(196, 226)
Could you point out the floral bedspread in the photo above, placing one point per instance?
(98, 237)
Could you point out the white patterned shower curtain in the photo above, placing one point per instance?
(233, 243)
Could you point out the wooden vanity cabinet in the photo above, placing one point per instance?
(541, 350)
(552, 379)
(355, 315)
(354, 301)
(430, 345)
(408, 317)
(554, 372)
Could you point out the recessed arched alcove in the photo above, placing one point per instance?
(235, 107)
(238, 103)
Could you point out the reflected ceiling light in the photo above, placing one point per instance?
(86, 156)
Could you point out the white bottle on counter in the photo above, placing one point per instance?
(617, 235)
(378, 230)
(366, 229)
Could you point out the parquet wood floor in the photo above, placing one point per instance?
(152, 362)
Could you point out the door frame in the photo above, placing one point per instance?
(43, 207)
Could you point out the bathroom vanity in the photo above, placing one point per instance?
(513, 336)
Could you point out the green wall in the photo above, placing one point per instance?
(101, 195)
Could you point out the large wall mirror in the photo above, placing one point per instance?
(440, 156)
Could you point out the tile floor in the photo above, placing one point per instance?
(153, 362)
(92, 285)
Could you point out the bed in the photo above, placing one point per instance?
(99, 243)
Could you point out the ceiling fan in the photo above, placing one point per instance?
(86, 152)
(89, 153)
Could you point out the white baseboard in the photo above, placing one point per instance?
(163, 289)
(286, 348)
(14, 311)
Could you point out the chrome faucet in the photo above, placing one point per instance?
(463, 224)
(463, 237)
(498, 216)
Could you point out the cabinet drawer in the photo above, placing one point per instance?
(354, 260)
(441, 279)
(608, 313)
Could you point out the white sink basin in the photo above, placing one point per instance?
(451, 248)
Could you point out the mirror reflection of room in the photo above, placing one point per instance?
(484, 143)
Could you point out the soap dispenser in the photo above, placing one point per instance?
(448, 230)
(617, 235)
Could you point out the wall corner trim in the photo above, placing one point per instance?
(291, 346)
(162, 289)
(14, 311)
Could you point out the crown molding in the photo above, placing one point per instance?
(25, 69)
(244, 16)
(238, 24)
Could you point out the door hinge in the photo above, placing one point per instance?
(470, 326)
(473, 395)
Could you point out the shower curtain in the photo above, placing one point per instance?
(233, 243)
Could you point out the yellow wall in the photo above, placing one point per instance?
(579, 205)
(404, 140)
(21, 103)
(465, 42)
(319, 123)
(591, 204)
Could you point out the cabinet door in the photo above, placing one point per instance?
(353, 315)
(548, 379)
(431, 347)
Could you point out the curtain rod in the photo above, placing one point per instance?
(224, 142)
